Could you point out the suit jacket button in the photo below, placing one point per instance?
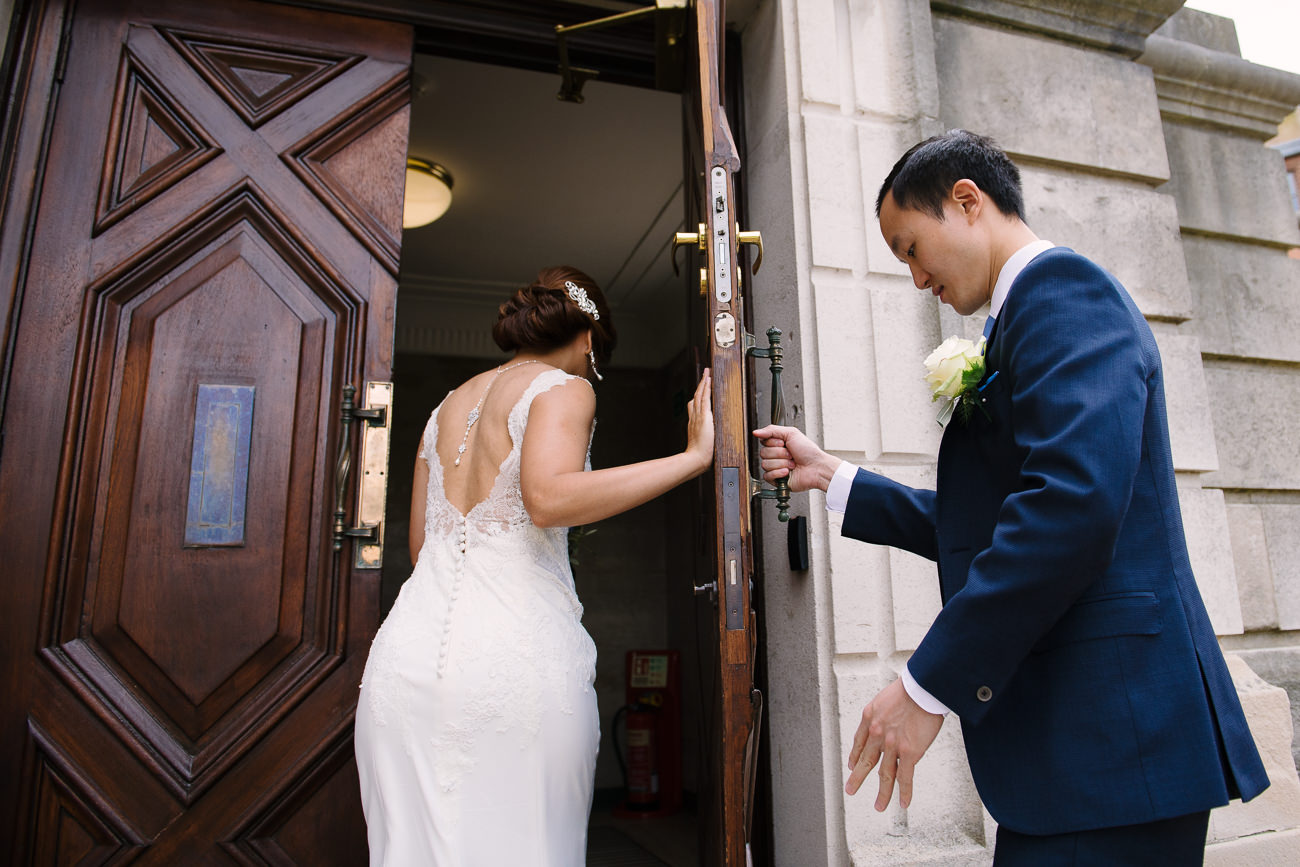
(984, 693)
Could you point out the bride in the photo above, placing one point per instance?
(476, 729)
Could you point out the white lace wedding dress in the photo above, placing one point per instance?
(477, 730)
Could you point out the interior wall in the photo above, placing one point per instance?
(621, 571)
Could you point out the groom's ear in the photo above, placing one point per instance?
(968, 198)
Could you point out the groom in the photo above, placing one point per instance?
(1100, 722)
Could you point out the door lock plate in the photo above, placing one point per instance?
(724, 329)
(722, 235)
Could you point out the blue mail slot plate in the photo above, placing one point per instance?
(223, 432)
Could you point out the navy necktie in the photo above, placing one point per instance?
(988, 327)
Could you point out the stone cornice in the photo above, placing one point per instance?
(1218, 89)
(1121, 26)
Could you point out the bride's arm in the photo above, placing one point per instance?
(419, 498)
(556, 491)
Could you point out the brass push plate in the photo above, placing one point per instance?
(373, 478)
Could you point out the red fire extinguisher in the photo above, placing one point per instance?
(640, 770)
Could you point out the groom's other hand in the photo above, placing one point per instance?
(894, 733)
(787, 452)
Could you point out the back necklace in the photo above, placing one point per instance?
(474, 413)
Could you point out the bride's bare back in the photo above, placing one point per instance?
(488, 442)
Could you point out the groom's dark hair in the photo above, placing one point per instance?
(924, 176)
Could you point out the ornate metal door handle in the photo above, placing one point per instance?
(774, 352)
(372, 492)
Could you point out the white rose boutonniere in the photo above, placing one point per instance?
(954, 371)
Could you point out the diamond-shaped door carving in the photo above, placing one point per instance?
(152, 145)
(258, 79)
(284, 825)
(344, 168)
(72, 826)
(241, 305)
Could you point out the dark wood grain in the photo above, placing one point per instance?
(168, 703)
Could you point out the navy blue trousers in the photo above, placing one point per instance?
(1177, 842)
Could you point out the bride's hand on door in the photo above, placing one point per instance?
(699, 423)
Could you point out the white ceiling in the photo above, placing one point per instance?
(539, 182)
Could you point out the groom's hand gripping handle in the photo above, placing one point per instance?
(785, 452)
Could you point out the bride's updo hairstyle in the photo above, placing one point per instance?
(541, 316)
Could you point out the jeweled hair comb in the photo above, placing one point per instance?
(579, 296)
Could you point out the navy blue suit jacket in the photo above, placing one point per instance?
(1073, 642)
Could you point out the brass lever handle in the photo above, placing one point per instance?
(684, 239)
(755, 238)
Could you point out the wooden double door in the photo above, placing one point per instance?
(202, 236)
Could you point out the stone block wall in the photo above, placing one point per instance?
(1237, 223)
(1120, 163)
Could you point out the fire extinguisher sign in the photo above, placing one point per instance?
(649, 671)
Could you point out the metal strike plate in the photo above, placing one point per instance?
(732, 574)
(373, 479)
(724, 329)
(721, 238)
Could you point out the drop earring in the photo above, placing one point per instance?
(591, 359)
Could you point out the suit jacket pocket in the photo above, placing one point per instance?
(1107, 616)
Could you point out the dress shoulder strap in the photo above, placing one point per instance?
(429, 441)
(541, 383)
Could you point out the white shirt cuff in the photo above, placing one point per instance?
(928, 703)
(837, 492)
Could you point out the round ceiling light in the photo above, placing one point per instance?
(428, 193)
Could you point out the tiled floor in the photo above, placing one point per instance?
(668, 840)
(610, 847)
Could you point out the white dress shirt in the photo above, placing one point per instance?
(837, 492)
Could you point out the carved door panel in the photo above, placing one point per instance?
(214, 259)
(718, 318)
